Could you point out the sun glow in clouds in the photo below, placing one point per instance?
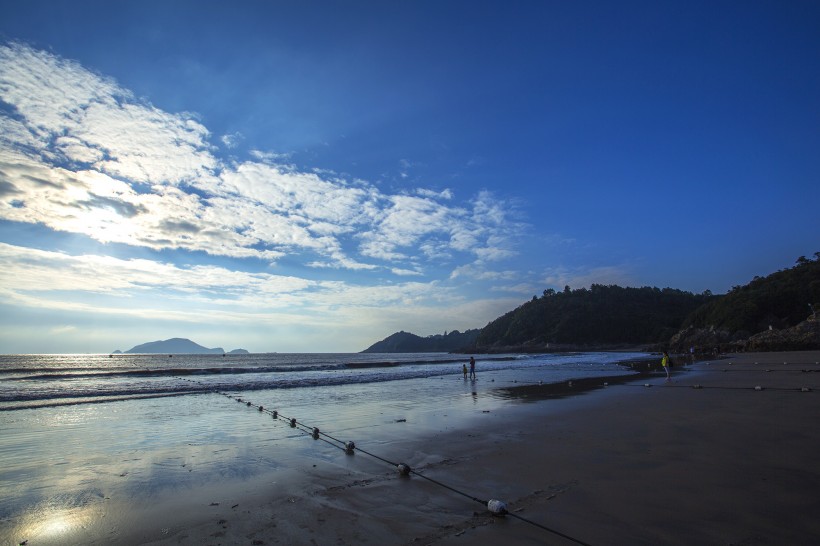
(81, 155)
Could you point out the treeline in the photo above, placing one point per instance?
(780, 300)
(602, 317)
(595, 317)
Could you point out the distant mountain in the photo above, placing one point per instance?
(178, 345)
(405, 342)
(598, 317)
(772, 310)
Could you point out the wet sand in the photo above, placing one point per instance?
(627, 464)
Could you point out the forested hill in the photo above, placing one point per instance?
(601, 316)
(780, 300)
(405, 342)
(605, 317)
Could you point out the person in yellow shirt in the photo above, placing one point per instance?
(666, 362)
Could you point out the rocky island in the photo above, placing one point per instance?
(177, 345)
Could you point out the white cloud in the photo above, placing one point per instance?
(148, 290)
(60, 330)
(405, 272)
(478, 271)
(232, 140)
(444, 194)
(83, 155)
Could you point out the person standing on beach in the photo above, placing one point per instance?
(472, 368)
(666, 362)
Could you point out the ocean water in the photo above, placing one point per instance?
(32, 381)
(89, 441)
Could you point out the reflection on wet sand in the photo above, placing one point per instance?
(56, 525)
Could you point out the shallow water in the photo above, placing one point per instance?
(81, 433)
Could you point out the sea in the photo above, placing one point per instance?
(83, 434)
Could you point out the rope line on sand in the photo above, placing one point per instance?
(497, 508)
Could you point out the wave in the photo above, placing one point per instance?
(34, 374)
(178, 384)
(162, 372)
(36, 386)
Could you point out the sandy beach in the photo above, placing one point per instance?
(668, 463)
(627, 464)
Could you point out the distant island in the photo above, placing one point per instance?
(177, 345)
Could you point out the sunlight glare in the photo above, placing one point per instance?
(103, 225)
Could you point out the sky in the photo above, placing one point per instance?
(315, 176)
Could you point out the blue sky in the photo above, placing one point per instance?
(314, 176)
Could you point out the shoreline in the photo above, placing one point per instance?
(724, 464)
(624, 464)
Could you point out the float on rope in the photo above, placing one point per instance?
(497, 507)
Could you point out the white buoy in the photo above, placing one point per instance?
(696, 387)
(758, 388)
(497, 507)
(403, 469)
(647, 385)
(805, 389)
(315, 433)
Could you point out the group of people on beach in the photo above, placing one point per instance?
(666, 363)
(472, 369)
